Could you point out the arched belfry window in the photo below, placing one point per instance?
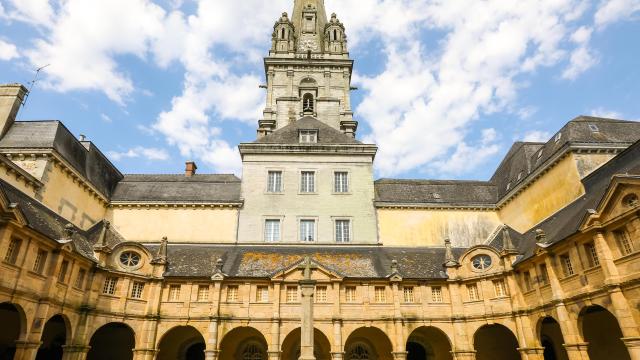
(335, 34)
(307, 103)
(282, 35)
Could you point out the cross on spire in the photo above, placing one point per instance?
(307, 266)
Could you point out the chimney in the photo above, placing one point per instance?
(11, 97)
(190, 169)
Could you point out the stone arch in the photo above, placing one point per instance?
(14, 327)
(291, 345)
(428, 343)
(495, 342)
(308, 82)
(551, 339)
(243, 343)
(181, 343)
(55, 334)
(600, 329)
(114, 340)
(368, 343)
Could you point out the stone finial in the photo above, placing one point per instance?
(218, 275)
(450, 260)
(541, 236)
(101, 244)
(69, 231)
(219, 262)
(507, 243)
(394, 266)
(161, 254)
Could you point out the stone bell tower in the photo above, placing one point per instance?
(308, 70)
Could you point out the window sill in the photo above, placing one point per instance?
(307, 193)
(274, 193)
(11, 265)
(111, 296)
(342, 193)
(592, 269)
(567, 278)
(480, 301)
(35, 274)
(627, 257)
(136, 300)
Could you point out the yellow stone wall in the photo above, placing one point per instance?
(193, 225)
(427, 227)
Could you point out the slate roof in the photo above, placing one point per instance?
(290, 133)
(112, 237)
(255, 261)
(398, 191)
(45, 221)
(198, 188)
(84, 157)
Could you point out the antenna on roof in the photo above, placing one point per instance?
(32, 83)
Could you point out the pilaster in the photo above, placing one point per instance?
(577, 351)
(75, 352)
(609, 268)
(26, 350)
(144, 354)
(531, 353)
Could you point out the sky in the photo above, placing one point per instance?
(444, 86)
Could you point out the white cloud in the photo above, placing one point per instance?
(582, 57)
(536, 136)
(606, 113)
(152, 154)
(106, 118)
(527, 112)
(466, 158)
(35, 12)
(611, 11)
(8, 51)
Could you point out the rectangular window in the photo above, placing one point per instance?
(379, 294)
(474, 294)
(308, 182)
(343, 231)
(592, 254)
(544, 274)
(341, 182)
(174, 292)
(11, 256)
(624, 242)
(262, 294)
(309, 136)
(407, 294)
(307, 230)
(350, 294)
(272, 230)
(136, 290)
(500, 288)
(203, 292)
(274, 181)
(79, 284)
(436, 294)
(526, 278)
(109, 286)
(292, 294)
(41, 259)
(232, 293)
(567, 267)
(62, 275)
(321, 294)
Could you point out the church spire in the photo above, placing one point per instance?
(309, 20)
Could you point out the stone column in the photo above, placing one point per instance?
(531, 353)
(609, 268)
(211, 351)
(307, 288)
(337, 352)
(633, 346)
(577, 351)
(144, 354)
(75, 352)
(26, 350)
(211, 354)
(399, 355)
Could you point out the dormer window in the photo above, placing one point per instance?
(308, 136)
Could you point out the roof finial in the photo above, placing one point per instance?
(449, 259)
(69, 231)
(541, 236)
(161, 255)
(507, 243)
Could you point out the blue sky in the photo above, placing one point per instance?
(445, 87)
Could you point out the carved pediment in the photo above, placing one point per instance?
(296, 272)
(620, 199)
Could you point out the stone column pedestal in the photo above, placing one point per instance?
(337, 355)
(531, 353)
(144, 354)
(75, 352)
(274, 355)
(633, 346)
(211, 354)
(26, 350)
(577, 351)
(399, 355)
(463, 354)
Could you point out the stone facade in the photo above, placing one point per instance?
(540, 262)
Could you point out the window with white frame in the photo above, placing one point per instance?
(274, 181)
(321, 294)
(343, 231)
(436, 294)
(379, 294)
(203, 292)
(11, 256)
(474, 294)
(624, 242)
(272, 230)
(309, 136)
(407, 294)
(79, 284)
(308, 181)
(350, 294)
(174, 292)
(39, 262)
(292, 294)
(232, 293)
(307, 230)
(136, 290)
(592, 254)
(341, 182)
(567, 266)
(500, 288)
(262, 294)
(109, 286)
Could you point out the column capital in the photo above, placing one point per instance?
(399, 355)
(464, 354)
(531, 350)
(22, 344)
(577, 346)
(76, 348)
(145, 351)
(631, 342)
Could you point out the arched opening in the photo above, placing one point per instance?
(181, 343)
(243, 343)
(368, 343)
(112, 341)
(291, 346)
(428, 343)
(54, 336)
(495, 342)
(601, 331)
(335, 34)
(282, 34)
(551, 340)
(307, 103)
(12, 326)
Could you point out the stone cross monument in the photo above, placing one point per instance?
(307, 287)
